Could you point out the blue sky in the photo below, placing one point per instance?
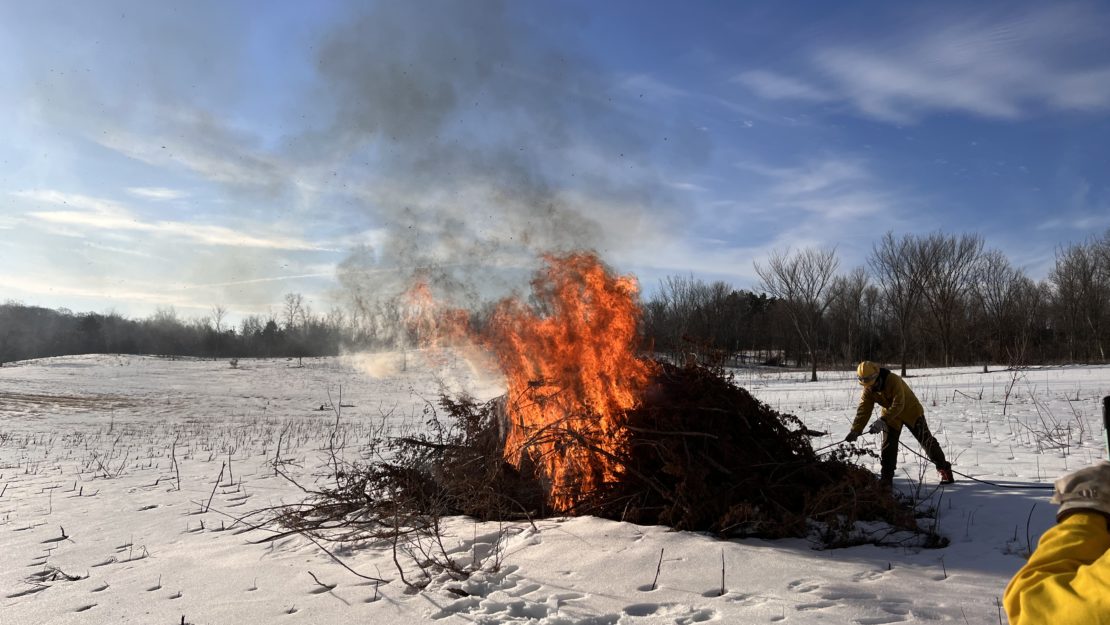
(190, 154)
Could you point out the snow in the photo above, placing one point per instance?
(87, 445)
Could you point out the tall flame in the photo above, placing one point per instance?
(572, 373)
(430, 324)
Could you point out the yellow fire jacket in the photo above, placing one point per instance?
(900, 405)
(1067, 579)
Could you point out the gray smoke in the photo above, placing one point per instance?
(472, 129)
(466, 137)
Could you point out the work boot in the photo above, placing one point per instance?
(945, 476)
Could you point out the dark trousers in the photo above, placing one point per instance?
(920, 431)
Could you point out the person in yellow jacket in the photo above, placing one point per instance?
(1067, 578)
(900, 407)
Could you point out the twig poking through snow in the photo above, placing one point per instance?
(327, 587)
(215, 486)
(658, 567)
(722, 573)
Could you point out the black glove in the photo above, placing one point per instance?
(851, 437)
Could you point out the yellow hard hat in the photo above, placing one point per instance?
(866, 372)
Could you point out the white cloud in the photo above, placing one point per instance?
(654, 88)
(686, 186)
(901, 88)
(101, 214)
(219, 159)
(188, 138)
(56, 285)
(321, 274)
(818, 202)
(1000, 67)
(118, 250)
(1081, 223)
(157, 193)
(814, 203)
(775, 86)
(812, 177)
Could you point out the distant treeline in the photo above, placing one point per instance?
(34, 332)
(293, 331)
(920, 300)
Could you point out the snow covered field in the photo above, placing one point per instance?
(89, 491)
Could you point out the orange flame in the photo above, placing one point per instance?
(431, 325)
(572, 373)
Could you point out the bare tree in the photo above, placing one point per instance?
(216, 339)
(801, 282)
(674, 311)
(219, 313)
(688, 318)
(1029, 303)
(292, 310)
(948, 265)
(894, 263)
(847, 312)
(1082, 294)
(995, 293)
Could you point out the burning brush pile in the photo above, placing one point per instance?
(588, 426)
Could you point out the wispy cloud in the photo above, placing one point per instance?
(322, 274)
(994, 66)
(1081, 223)
(196, 141)
(101, 214)
(833, 187)
(686, 186)
(818, 202)
(114, 249)
(157, 193)
(651, 87)
(778, 86)
(55, 285)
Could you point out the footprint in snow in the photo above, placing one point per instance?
(804, 585)
(870, 576)
(880, 620)
(683, 615)
(842, 593)
(642, 609)
(464, 605)
(745, 599)
(525, 590)
(697, 616)
(817, 605)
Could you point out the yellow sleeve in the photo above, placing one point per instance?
(863, 412)
(1067, 579)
